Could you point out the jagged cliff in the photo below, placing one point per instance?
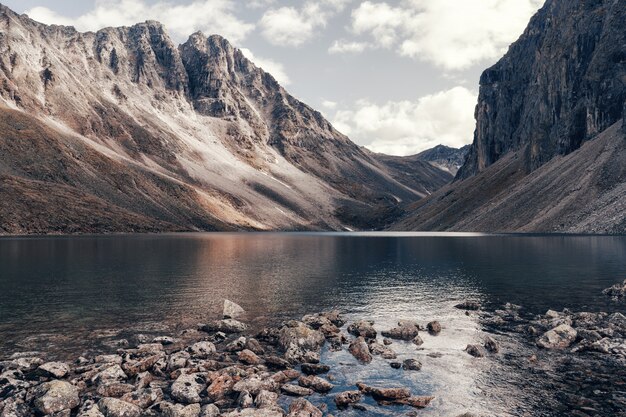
(122, 130)
(561, 84)
(549, 150)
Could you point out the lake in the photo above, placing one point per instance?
(70, 295)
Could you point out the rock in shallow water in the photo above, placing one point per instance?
(232, 310)
(617, 290)
(348, 397)
(560, 337)
(360, 350)
(363, 328)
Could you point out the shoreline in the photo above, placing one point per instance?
(282, 370)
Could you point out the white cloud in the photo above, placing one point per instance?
(268, 65)
(290, 26)
(341, 47)
(409, 127)
(209, 16)
(330, 105)
(452, 34)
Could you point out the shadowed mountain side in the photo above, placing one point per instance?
(581, 192)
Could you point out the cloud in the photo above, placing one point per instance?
(330, 105)
(409, 127)
(341, 47)
(209, 16)
(452, 34)
(275, 68)
(291, 26)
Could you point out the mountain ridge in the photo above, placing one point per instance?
(196, 122)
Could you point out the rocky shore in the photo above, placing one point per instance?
(223, 368)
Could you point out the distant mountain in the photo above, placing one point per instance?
(445, 157)
(122, 130)
(549, 148)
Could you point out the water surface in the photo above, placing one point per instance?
(62, 294)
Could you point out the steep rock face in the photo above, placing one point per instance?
(562, 83)
(166, 137)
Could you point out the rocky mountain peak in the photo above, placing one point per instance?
(558, 86)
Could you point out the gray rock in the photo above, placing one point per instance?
(55, 369)
(475, 350)
(296, 390)
(228, 326)
(232, 310)
(560, 337)
(112, 407)
(187, 388)
(434, 327)
(55, 396)
(363, 328)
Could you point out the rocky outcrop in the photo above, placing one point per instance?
(141, 135)
(560, 85)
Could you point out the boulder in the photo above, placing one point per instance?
(229, 326)
(56, 370)
(384, 393)
(179, 410)
(468, 305)
(405, 331)
(359, 349)
(202, 350)
(411, 365)
(248, 357)
(55, 396)
(560, 337)
(112, 407)
(347, 398)
(316, 383)
(491, 345)
(232, 310)
(314, 369)
(187, 387)
(475, 350)
(617, 290)
(363, 329)
(303, 408)
(296, 339)
(296, 390)
(434, 327)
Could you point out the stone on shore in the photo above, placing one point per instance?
(55, 369)
(303, 408)
(491, 345)
(314, 368)
(382, 394)
(55, 396)
(316, 383)
(560, 337)
(232, 310)
(187, 387)
(112, 407)
(297, 339)
(226, 326)
(296, 390)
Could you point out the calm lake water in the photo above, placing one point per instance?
(63, 294)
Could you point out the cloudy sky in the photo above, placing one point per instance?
(398, 76)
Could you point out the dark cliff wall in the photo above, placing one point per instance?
(562, 83)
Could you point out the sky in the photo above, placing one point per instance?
(396, 76)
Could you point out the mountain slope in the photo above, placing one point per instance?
(583, 192)
(445, 157)
(548, 151)
(166, 137)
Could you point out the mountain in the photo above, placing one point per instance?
(445, 157)
(548, 150)
(121, 130)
